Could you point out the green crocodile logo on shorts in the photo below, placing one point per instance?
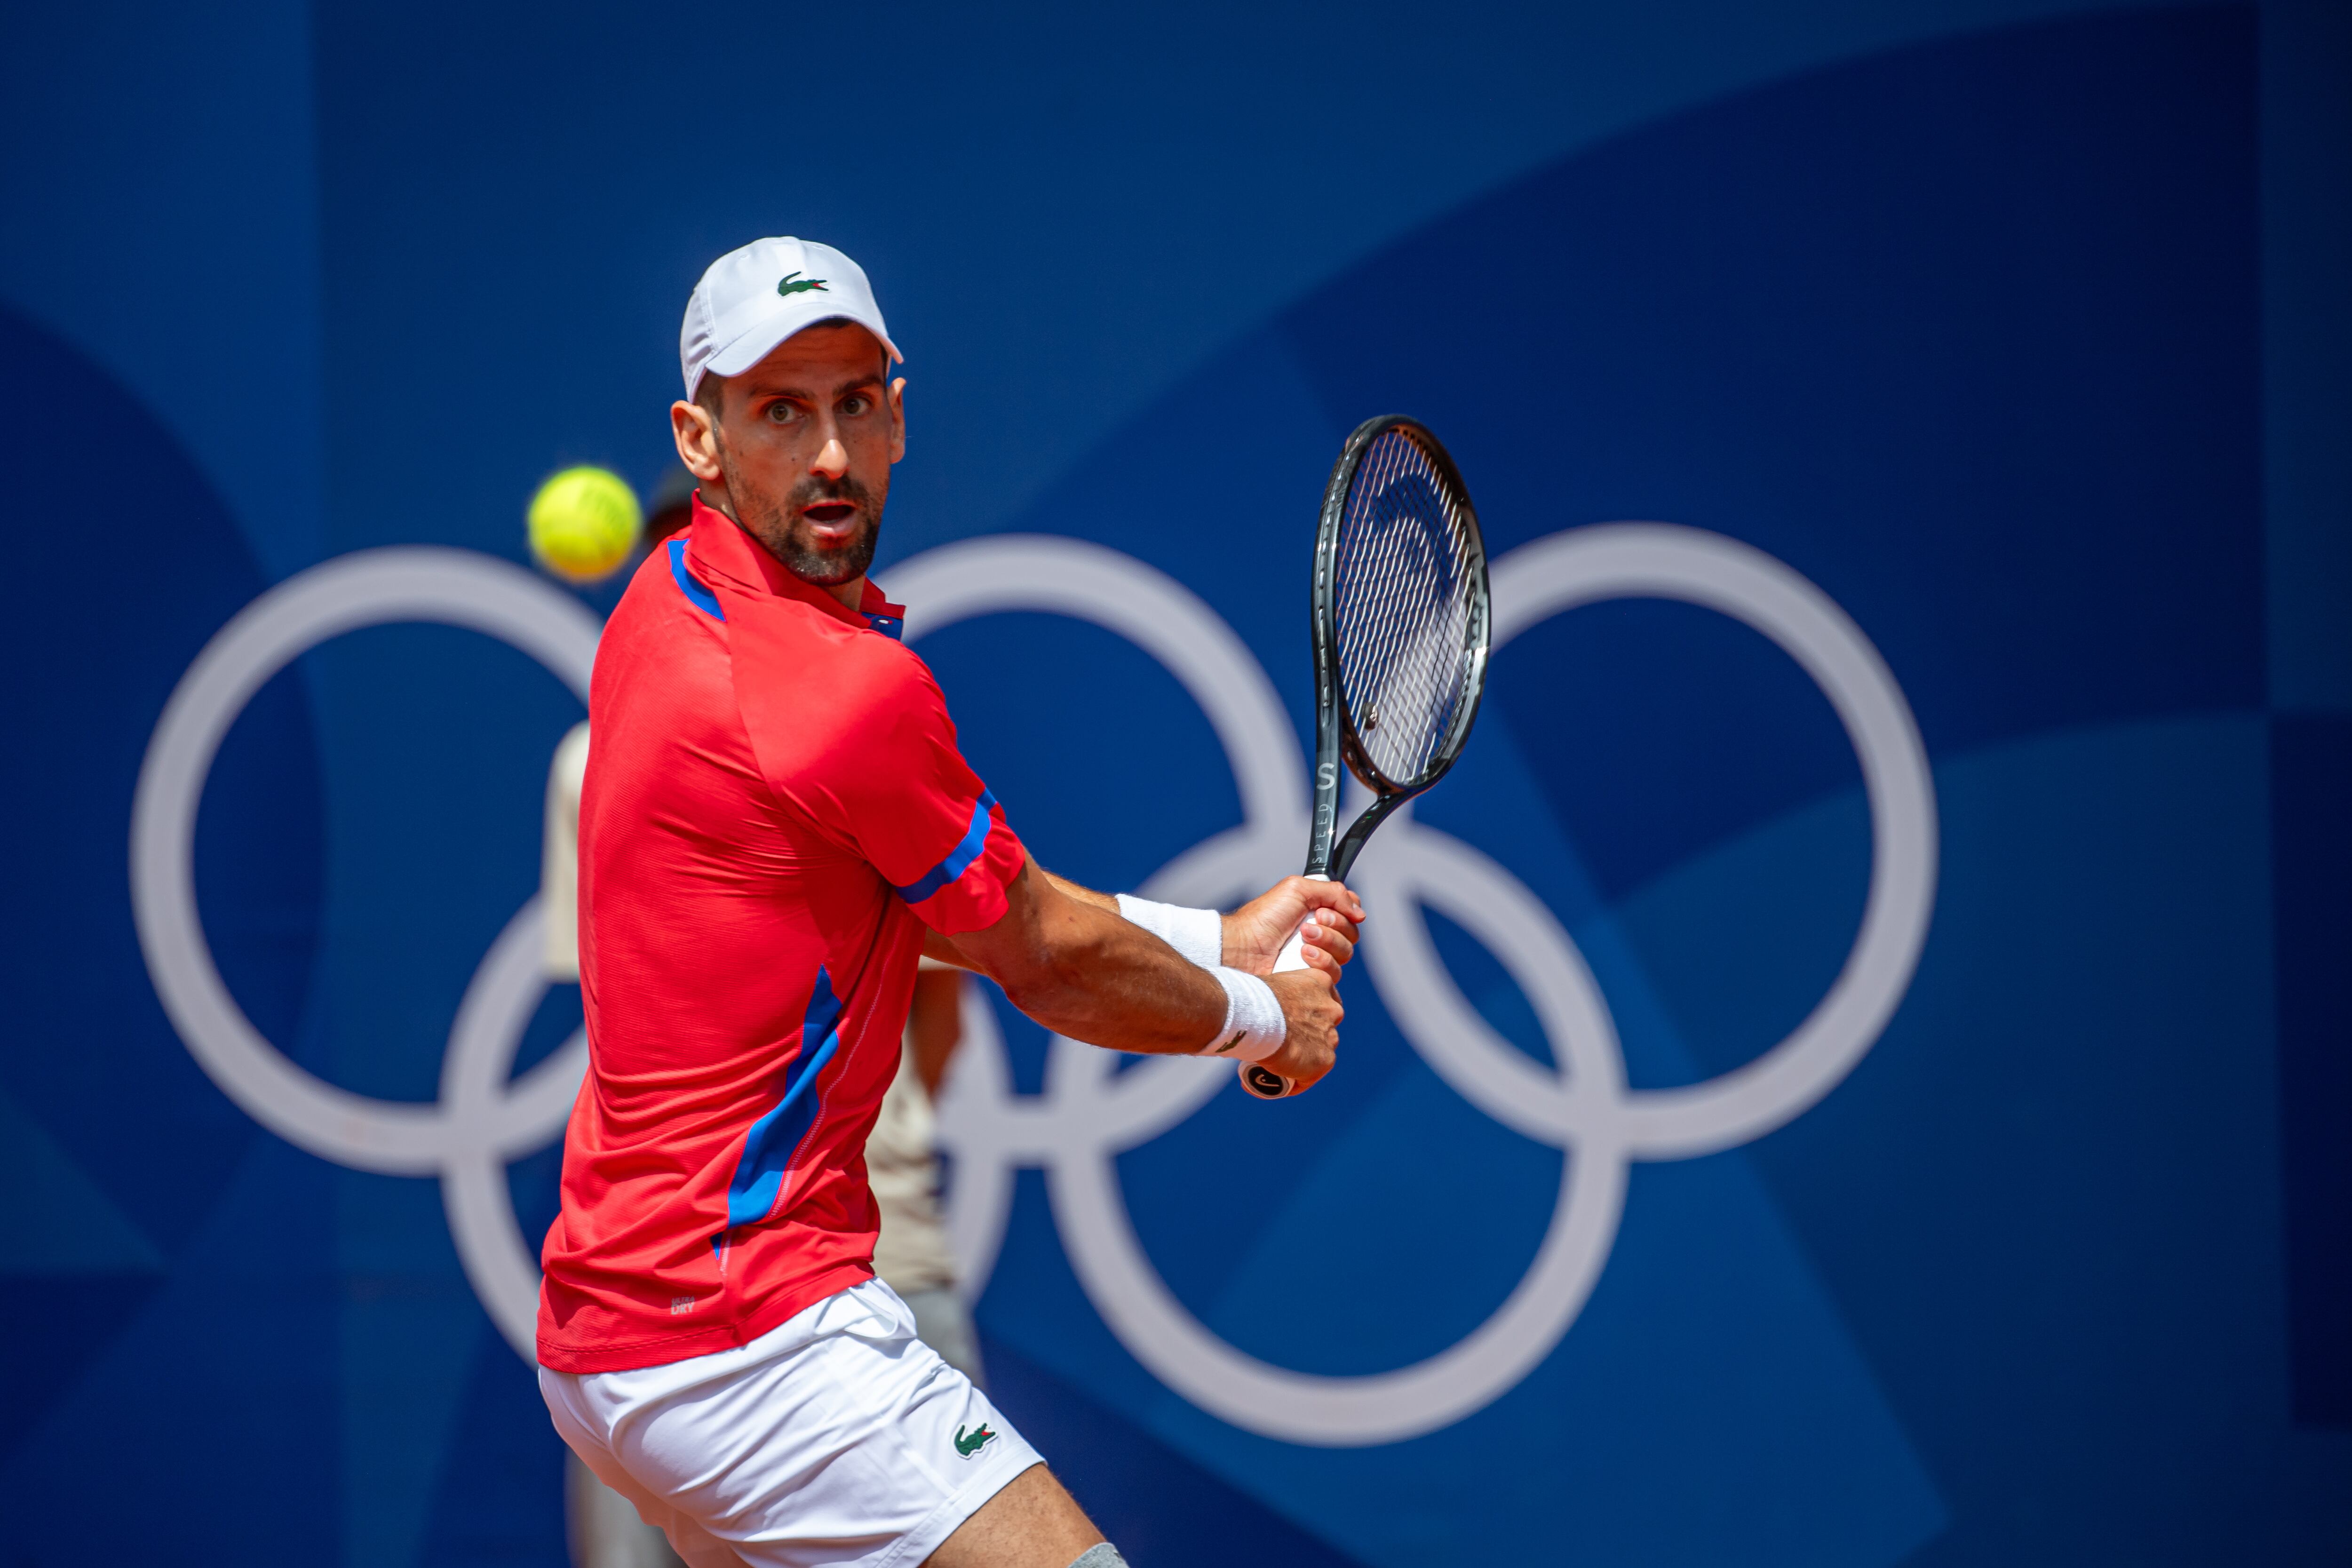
(981, 1438)
(787, 286)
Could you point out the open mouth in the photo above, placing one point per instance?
(830, 514)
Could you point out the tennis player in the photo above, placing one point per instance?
(775, 826)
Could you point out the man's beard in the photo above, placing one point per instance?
(790, 539)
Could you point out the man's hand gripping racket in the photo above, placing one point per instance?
(1400, 634)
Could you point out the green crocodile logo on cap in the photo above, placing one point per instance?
(792, 283)
(981, 1438)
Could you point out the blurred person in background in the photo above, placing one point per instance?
(902, 1165)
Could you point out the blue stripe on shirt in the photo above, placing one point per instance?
(700, 597)
(775, 1138)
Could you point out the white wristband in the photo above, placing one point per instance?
(1198, 934)
(1254, 1028)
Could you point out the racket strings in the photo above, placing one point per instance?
(1402, 593)
(1401, 582)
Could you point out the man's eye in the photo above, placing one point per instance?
(855, 405)
(783, 413)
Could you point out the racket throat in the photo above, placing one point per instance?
(1343, 859)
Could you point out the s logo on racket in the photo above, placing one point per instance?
(1400, 630)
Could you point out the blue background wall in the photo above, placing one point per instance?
(2018, 326)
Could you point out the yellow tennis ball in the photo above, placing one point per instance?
(583, 523)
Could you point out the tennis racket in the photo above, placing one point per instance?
(1401, 628)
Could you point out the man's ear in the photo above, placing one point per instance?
(898, 418)
(697, 434)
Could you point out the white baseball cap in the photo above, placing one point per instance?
(755, 298)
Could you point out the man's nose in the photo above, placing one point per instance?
(833, 462)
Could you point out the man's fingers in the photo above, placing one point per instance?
(1328, 940)
(1328, 920)
(1331, 895)
(1316, 894)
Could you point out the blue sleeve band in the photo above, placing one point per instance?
(959, 858)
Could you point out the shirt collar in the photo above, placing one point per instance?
(719, 548)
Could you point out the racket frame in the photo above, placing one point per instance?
(1336, 741)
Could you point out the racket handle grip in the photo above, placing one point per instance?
(1262, 1081)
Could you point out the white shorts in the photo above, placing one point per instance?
(838, 1438)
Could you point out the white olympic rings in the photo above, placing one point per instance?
(1088, 1113)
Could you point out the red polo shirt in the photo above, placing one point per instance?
(774, 807)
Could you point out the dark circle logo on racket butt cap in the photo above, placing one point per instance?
(1263, 1081)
